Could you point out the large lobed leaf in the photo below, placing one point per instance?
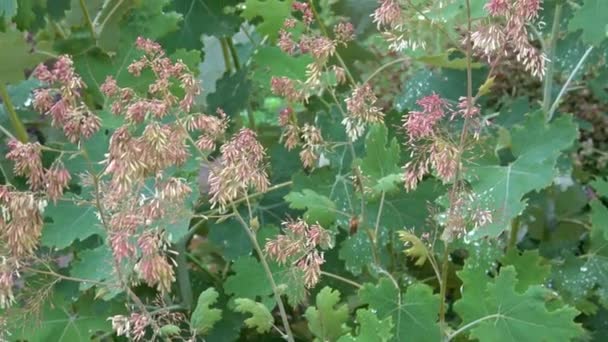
(501, 189)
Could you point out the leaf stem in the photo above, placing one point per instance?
(87, 17)
(233, 53)
(471, 324)
(12, 115)
(275, 290)
(567, 84)
(342, 279)
(550, 52)
(384, 66)
(183, 274)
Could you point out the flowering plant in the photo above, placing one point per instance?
(383, 170)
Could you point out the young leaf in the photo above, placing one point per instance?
(261, 318)
(371, 329)
(414, 314)
(536, 145)
(592, 18)
(204, 317)
(416, 250)
(327, 320)
(504, 314)
(319, 208)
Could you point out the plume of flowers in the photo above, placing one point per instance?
(299, 246)
(361, 111)
(241, 167)
(506, 33)
(61, 100)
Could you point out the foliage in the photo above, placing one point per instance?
(354, 170)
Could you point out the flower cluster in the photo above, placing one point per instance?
(400, 33)
(241, 166)
(432, 150)
(133, 327)
(299, 247)
(467, 212)
(62, 101)
(153, 266)
(361, 111)
(507, 34)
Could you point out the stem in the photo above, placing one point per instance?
(514, 233)
(378, 220)
(382, 67)
(275, 290)
(235, 56)
(342, 279)
(112, 11)
(550, 52)
(183, 274)
(12, 115)
(567, 84)
(350, 77)
(443, 286)
(469, 325)
(226, 55)
(87, 17)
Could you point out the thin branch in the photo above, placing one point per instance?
(550, 52)
(87, 17)
(12, 115)
(273, 285)
(471, 324)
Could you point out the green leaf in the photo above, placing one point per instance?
(169, 330)
(21, 56)
(601, 186)
(70, 222)
(357, 250)
(8, 9)
(204, 317)
(501, 189)
(414, 314)
(270, 61)
(599, 217)
(96, 265)
(248, 281)
(231, 93)
(531, 268)
(261, 318)
(504, 314)
(327, 320)
(201, 17)
(381, 162)
(318, 207)
(272, 13)
(370, 329)
(592, 19)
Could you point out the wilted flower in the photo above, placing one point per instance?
(27, 162)
(344, 32)
(388, 14)
(57, 178)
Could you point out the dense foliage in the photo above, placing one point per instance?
(327, 170)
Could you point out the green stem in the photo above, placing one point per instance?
(342, 279)
(18, 127)
(233, 53)
(550, 53)
(273, 285)
(183, 274)
(226, 55)
(87, 17)
(514, 233)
